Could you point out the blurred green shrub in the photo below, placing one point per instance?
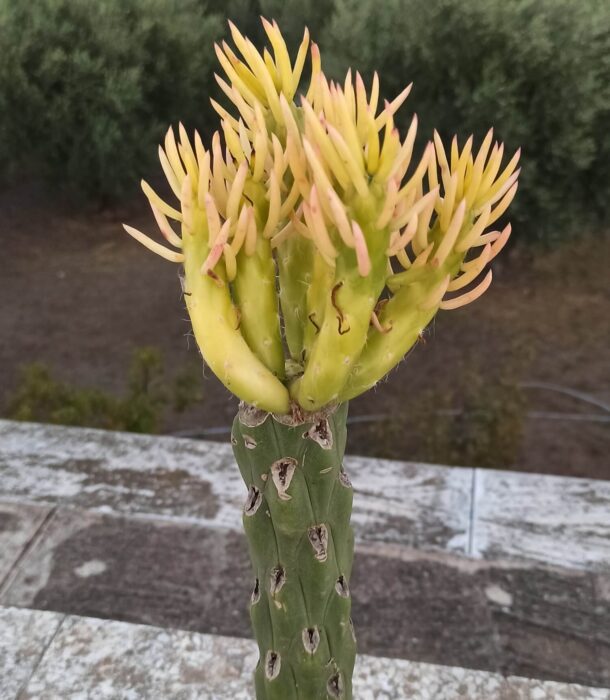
(292, 16)
(42, 398)
(478, 422)
(535, 69)
(88, 88)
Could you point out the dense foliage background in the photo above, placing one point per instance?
(87, 89)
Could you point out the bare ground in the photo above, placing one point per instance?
(80, 295)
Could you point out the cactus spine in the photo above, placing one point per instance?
(297, 521)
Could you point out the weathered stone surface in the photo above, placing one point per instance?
(422, 610)
(416, 505)
(18, 524)
(542, 623)
(527, 689)
(385, 679)
(108, 660)
(555, 520)
(435, 608)
(24, 635)
(119, 472)
(550, 624)
(156, 572)
(392, 679)
(558, 520)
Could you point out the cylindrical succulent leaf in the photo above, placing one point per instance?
(216, 327)
(259, 313)
(293, 261)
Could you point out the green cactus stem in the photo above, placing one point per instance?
(297, 521)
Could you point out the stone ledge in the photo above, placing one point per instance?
(45, 655)
(198, 482)
(501, 616)
(560, 521)
(481, 513)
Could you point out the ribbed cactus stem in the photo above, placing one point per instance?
(297, 521)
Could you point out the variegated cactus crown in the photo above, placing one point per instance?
(316, 249)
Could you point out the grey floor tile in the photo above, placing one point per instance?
(24, 635)
(105, 660)
(109, 660)
(415, 505)
(19, 522)
(556, 520)
(120, 472)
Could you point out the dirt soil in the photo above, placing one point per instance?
(80, 295)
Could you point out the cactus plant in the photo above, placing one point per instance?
(315, 251)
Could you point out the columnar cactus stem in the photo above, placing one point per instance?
(296, 518)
